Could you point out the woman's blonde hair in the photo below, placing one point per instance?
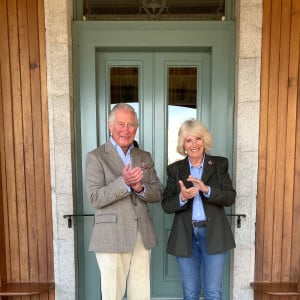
(196, 128)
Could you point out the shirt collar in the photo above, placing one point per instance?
(117, 147)
(202, 163)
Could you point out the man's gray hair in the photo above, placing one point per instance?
(121, 106)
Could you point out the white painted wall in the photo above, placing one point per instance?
(58, 15)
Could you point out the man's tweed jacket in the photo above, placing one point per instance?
(120, 213)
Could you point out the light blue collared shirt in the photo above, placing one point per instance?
(125, 157)
(198, 210)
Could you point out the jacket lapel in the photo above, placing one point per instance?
(136, 159)
(208, 167)
(113, 157)
(184, 172)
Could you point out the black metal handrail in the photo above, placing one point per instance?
(69, 217)
(238, 221)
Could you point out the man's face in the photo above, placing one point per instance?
(124, 128)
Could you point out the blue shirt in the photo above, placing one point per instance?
(198, 210)
(125, 157)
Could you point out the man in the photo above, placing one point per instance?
(121, 181)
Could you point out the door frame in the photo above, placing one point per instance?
(89, 37)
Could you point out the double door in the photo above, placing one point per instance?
(169, 71)
(165, 88)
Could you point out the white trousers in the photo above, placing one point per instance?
(125, 270)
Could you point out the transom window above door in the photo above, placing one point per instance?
(154, 9)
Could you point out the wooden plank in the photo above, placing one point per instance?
(46, 150)
(3, 53)
(25, 289)
(276, 288)
(37, 137)
(272, 117)
(263, 130)
(9, 148)
(3, 273)
(295, 249)
(263, 297)
(3, 279)
(19, 150)
(291, 140)
(28, 141)
(281, 132)
(29, 153)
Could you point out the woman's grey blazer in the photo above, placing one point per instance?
(219, 237)
(119, 213)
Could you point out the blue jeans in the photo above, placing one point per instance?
(212, 266)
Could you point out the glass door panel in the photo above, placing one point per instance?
(124, 87)
(182, 91)
(182, 103)
(124, 84)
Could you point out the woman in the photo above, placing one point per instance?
(198, 188)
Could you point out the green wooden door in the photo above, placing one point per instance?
(159, 120)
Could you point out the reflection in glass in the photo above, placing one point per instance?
(124, 84)
(183, 86)
(124, 88)
(182, 104)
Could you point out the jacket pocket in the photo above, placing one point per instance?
(110, 218)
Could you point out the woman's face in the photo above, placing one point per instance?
(194, 146)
